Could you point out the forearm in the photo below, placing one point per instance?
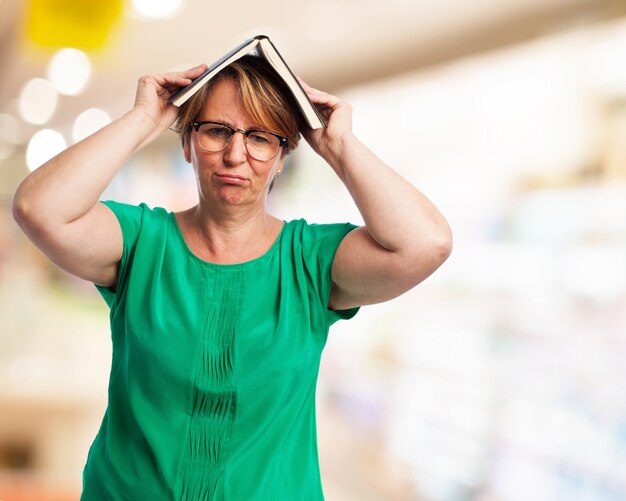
(70, 184)
(396, 214)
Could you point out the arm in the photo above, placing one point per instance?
(405, 238)
(57, 204)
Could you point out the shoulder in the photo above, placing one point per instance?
(136, 219)
(304, 226)
(314, 247)
(317, 243)
(132, 209)
(310, 233)
(135, 213)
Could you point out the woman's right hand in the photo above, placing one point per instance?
(153, 92)
(57, 204)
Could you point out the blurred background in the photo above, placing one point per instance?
(501, 377)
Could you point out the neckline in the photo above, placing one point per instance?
(211, 264)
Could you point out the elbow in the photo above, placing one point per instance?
(21, 209)
(442, 245)
(437, 252)
(428, 256)
(24, 212)
(434, 248)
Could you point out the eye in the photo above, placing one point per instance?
(215, 131)
(260, 138)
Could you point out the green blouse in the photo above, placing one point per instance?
(212, 386)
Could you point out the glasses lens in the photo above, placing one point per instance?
(262, 145)
(214, 137)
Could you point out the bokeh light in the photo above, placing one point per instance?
(44, 145)
(88, 122)
(10, 135)
(157, 9)
(38, 101)
(69, 70)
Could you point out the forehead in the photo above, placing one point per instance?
(224, 104)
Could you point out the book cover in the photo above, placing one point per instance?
(262, 47)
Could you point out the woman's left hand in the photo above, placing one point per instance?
(405, 237)
(328, 141)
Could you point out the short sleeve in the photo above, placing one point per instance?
(319, 245)
(130, 218)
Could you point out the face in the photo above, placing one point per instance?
(230, 176)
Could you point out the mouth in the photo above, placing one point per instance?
(231, 178)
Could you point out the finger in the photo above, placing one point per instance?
(305, 85)
(173, 79)
(195, 71)
(320, 97)
(325, 99)
(170, 83)
(308, 88)
(185, 77)
(179, 78)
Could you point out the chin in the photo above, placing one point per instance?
(234, 195)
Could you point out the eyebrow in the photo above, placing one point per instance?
(226, 122)
(259, 128)
(214, 120)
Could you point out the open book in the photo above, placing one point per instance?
(262, 47)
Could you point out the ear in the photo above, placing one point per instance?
(280, 164)
(278, 169)
(187, 147)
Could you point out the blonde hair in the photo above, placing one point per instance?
(264, 98)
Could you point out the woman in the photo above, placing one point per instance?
(219, 313)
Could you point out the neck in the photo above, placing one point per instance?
(228, 236)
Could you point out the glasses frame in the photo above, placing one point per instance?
(282, 141)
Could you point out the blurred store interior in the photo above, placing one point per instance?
(499, 378)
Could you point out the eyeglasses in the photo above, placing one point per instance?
(260, 144)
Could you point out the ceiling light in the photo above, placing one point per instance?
(69, 70)
(38, 100)
(44, 145)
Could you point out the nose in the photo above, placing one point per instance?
(236, 152)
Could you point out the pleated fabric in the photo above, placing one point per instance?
(214, 400)
(212, 386)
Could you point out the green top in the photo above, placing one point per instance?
(212, 385)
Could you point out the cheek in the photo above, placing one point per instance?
(202, 160)
(265, 172)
